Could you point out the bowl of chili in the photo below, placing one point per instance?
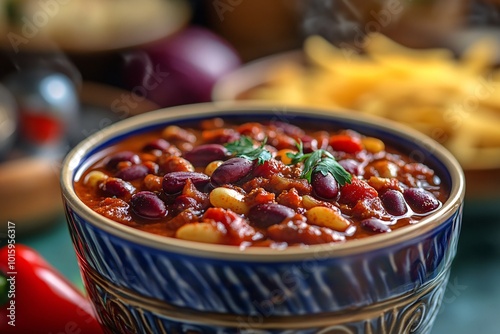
(250, 218)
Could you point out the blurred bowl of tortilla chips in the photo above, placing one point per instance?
(453, 99)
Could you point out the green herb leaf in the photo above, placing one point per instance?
(328, 165)
(299, 156)
(319, 161)
(244, 148)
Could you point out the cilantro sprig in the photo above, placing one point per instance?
(245, 148)
(320, 161)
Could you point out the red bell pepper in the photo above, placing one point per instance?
(346, 143)
(35, 298)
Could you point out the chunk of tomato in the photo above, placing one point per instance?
(238, 228)
(346, 143)
(269, 168)
(357, 190)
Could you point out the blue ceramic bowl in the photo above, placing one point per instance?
(144, 283)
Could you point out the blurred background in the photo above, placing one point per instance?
(69, 68)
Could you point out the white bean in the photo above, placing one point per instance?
(227, 198)
(212, 166)
(201, 232)
(94, 178)
(326, 217)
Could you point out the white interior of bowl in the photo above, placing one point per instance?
(72, 167)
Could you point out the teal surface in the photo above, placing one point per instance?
(54, 244)
(471, 302)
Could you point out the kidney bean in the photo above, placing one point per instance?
(133, 172)
(157, 144)
(204, 154)
(174, 182)
(231, 171)
(420, 200)
(146, 204)
(325, 186)
(394, 202)
(289, 129)
(375, 225)
(115, 159)
(117, 187)
(267, 214)
(351, 165)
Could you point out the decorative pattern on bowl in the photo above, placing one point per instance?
(142, 283)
